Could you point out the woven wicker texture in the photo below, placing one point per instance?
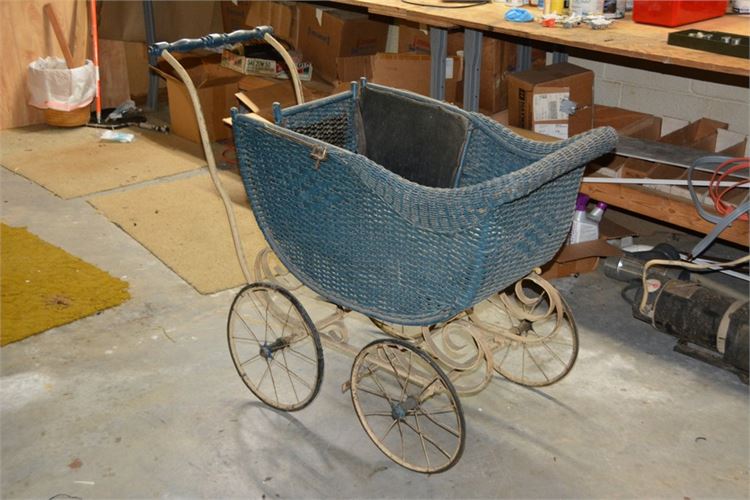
(374, 242)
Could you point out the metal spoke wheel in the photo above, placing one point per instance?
(275, 346)
(408, 406)
(533, 335)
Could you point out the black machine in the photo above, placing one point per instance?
(708, 324)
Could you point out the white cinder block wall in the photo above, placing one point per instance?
(668, 95)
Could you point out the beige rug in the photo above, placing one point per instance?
(64, 161)
(184, 224)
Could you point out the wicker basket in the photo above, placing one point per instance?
(73, 118)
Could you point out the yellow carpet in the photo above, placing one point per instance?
(184, 224)
(43, 286)
(76, 162)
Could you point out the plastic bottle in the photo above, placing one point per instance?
(556, 6)
(586, 7)
(597, 212)
(583, 228)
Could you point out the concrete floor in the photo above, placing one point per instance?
(142, 401)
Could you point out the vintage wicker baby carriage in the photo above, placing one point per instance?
(415, 213)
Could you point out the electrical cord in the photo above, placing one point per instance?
(732, 166)
(679, 263)
(730, 216)
(442, 5)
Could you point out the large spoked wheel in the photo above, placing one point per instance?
(275, 346)
(534, 336)
(408, 406)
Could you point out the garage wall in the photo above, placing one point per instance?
(669, 95)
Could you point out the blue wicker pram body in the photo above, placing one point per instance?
(330, 188)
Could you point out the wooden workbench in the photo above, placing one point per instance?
(624, 37)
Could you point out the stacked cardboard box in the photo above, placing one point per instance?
(556, 100)
(327, 34)
(404, 71)
(216, 88)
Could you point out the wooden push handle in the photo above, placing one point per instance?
(50, 13)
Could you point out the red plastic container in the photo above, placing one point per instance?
(677, 12)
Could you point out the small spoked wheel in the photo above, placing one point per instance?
(275, 346)
(408, 406)
(534, 337)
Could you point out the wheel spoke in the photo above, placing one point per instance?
(245, 339)
(289, 374)
(265, 316)
(292, 374)
(424, 389)
(552, 351)
(378, 414)
(401, 435)
(265, 335)
(388, 431)
(532, 358)
(421, 439)
(250, 330)
(250, 360)
(426, 438)
(395, 372)
(408, 376)
(444, 410)
(263, 377)
(377, 382)
(273, 382)
(505, 356)
(370, 391)
(439, 424)
(302, 356)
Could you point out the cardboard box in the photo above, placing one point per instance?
(233, 14)
(282, 16)
(403, 71)
(584, 257)
(627, 122)
(216, 88)
(260, 66)
(326, 34)
(499, 59)
(537, 100)
(265, 91)
(415, 38)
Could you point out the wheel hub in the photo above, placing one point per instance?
(400, 410)
(524, 327)
(267, 350)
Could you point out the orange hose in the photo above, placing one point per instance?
(95, 40)
(734, 165)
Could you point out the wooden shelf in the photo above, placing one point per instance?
(623, 38)
(662, 207)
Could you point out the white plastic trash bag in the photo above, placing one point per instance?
(52, 85)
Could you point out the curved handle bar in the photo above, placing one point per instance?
(210, 41)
